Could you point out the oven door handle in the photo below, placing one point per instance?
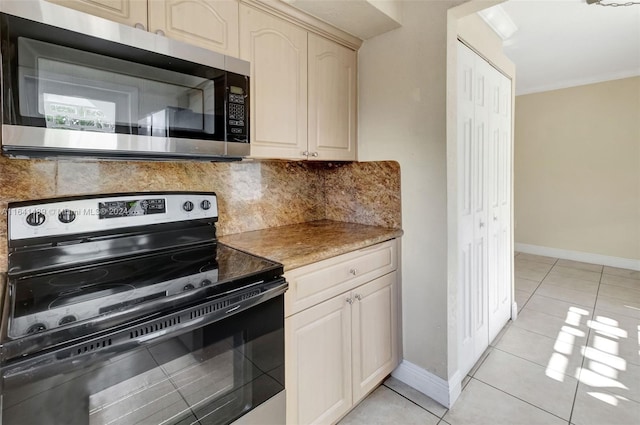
(93, 350)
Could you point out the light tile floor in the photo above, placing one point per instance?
(571, 357)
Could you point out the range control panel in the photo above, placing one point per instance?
(59, 217)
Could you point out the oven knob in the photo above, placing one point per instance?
(188, 206)
(205, 282)
(188, 287)
(36, 219)
(66, 216)
(205, 204)
(67, 319)
(35, 328)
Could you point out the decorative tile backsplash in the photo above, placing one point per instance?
(252, 195)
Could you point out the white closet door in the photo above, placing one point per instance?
(500, 205)
(484, 182)
(472, 208)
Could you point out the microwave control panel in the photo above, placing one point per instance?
(237, 108)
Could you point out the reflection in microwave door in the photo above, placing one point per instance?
(78, 113)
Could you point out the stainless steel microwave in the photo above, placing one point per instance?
(79, 85)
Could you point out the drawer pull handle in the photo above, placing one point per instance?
(349, 300)
(353, 271)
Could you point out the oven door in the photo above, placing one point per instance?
(187, 367)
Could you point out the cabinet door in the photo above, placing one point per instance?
(318, 359)
(332, 100)
(212, 24)
(128, 12)
(375, 333)
(277, 51)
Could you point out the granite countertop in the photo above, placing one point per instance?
(297, 245)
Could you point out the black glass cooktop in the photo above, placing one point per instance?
(48, 300)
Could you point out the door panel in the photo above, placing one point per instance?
(374, 316)
(128, 12)
(332, 100)
(212, 24)
(277, 51)
(500, 223)
(484, 204)
(318, 356)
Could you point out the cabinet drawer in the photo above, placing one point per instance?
(315, 283)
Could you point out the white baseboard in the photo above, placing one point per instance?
(444, 392)
(585, 257)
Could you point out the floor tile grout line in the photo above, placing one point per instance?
(586, 344)
(539, 283)
(564, 301)
(422, 407)
(530, 361)
(481, 360)
(522, 400)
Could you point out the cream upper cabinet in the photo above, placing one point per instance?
(332, 100)
(212, 24)
(303, 91)
(277, 51)
(128, 12)
(205, 23)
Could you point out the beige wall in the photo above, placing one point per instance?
(577, 169)
(403, 76)
(402, 96)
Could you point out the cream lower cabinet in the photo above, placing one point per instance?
(212, 24)
(340, 349)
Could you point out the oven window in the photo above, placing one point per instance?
(212, 375)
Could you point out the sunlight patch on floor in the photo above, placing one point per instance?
(564, 344)
(611, 399)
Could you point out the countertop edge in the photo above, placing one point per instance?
(297, 250)
(305, 260)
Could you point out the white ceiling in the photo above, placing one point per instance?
(565, 43)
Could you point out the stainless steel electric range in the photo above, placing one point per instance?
(124, 309)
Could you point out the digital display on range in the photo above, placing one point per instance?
(131, 208)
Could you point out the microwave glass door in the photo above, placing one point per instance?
(64, 88)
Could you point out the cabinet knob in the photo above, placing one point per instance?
(139, 26)
(305, 153)
(349, 300)
(358, 297)
(315, 154)
(495, 218)
(481, 224)
(160, 32)
(353, 271)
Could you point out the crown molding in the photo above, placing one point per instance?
(308, 22)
